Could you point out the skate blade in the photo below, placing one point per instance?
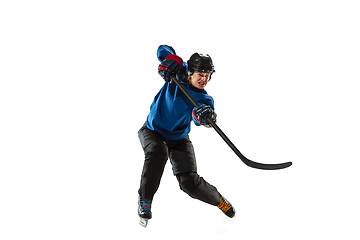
(143, 222)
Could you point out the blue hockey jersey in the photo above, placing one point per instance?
(171, 112)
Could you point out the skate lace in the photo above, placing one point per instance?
(224, 205)
(145, 205)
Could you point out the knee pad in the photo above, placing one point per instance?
(188, 182)
(156, 150)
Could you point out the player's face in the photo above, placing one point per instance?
(199, 79)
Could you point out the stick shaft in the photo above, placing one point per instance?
(245, 160)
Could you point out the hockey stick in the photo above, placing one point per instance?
(245, 160)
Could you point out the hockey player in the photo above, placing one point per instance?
(165, 133)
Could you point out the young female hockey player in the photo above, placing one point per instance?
(165, 133)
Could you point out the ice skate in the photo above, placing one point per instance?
(144, 211)
(226, 207)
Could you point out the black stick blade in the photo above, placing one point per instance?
(265, 166)
(247, 161)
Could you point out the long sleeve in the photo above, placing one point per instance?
(163, 51)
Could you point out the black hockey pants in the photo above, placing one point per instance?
(157, 150)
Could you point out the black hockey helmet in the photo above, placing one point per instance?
(201, 63)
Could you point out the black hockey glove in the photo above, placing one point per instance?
(202, 113)
(170, 66)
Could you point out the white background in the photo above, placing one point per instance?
(77, 81)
